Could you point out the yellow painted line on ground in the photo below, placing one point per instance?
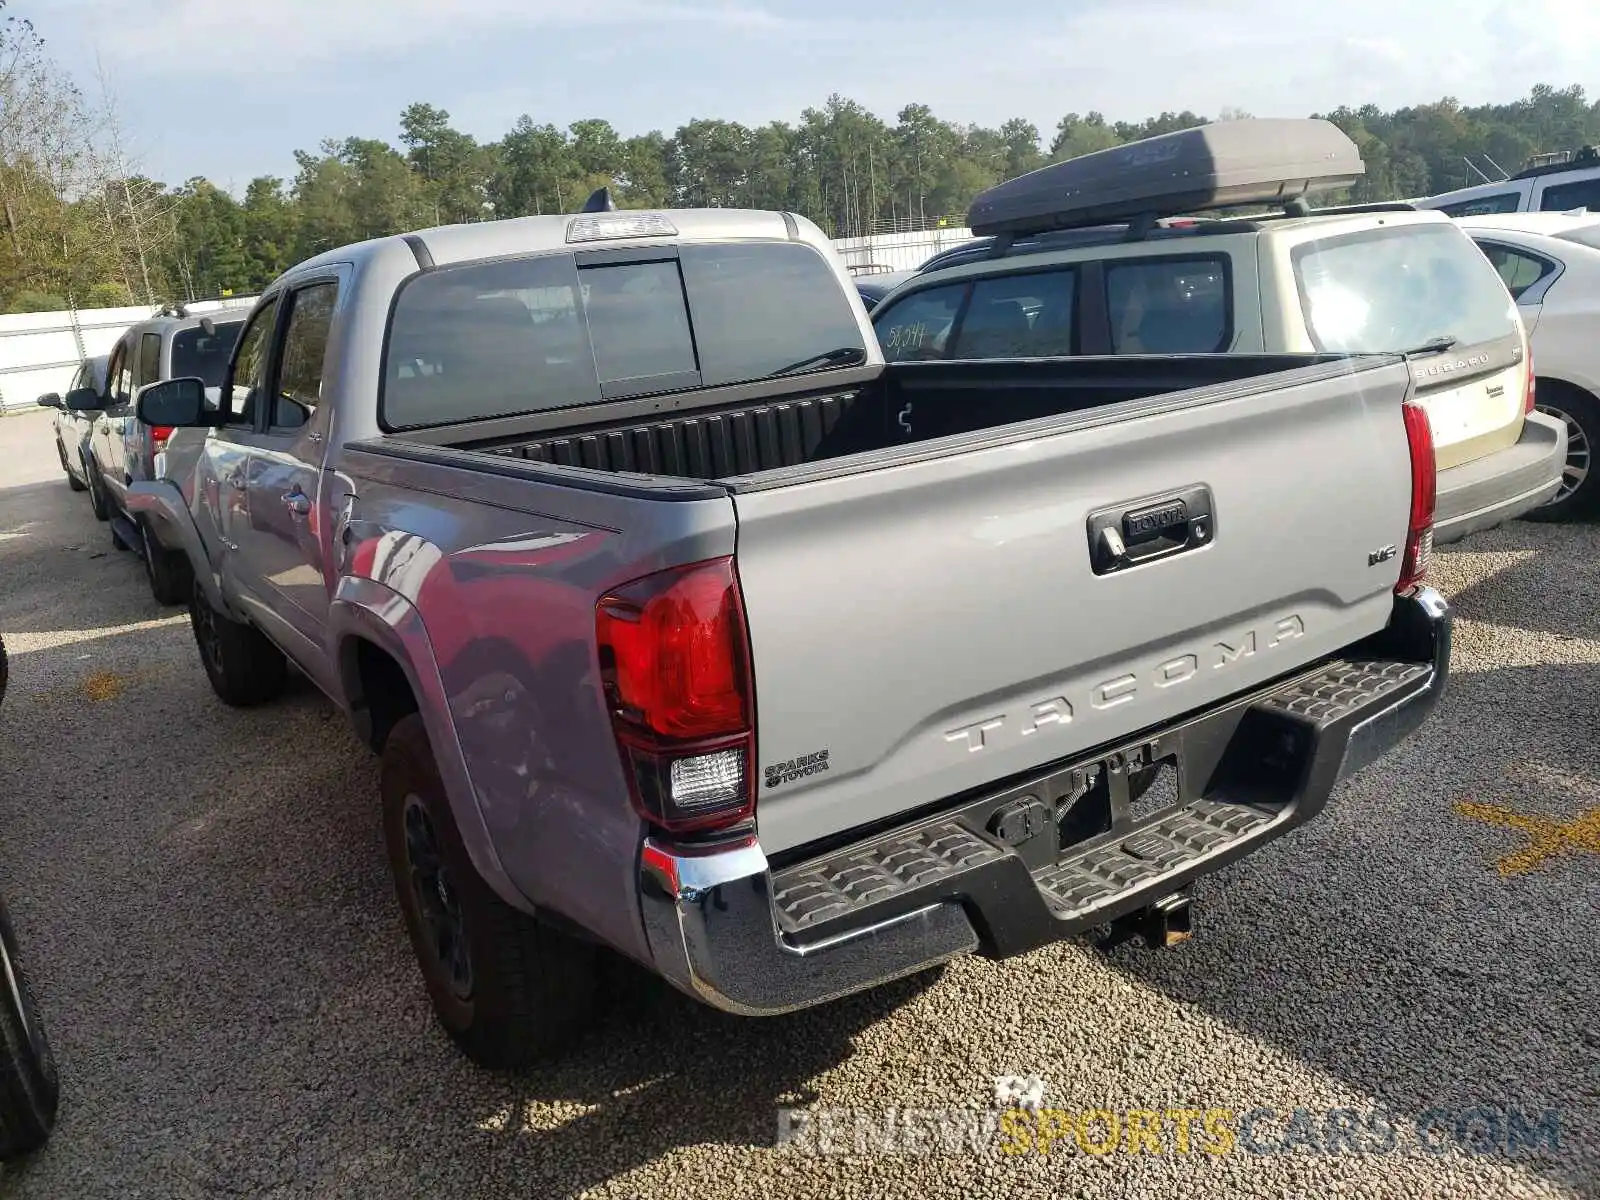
(1547, 837)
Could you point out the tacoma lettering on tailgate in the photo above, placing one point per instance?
(1055, 711)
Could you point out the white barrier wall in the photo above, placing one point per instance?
(40, 352)
(898, 251)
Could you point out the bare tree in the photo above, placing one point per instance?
(138, 214)
(44, 161)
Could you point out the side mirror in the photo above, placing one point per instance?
(83, 400)
(179, 403)
(49, 400)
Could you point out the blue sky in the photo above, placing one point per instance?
(269, 76)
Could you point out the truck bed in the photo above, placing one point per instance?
(909, 403)
(1000, 563)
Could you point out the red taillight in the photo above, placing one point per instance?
(1424, 493)
(159, 435)
(1527, 402)
(675, 665)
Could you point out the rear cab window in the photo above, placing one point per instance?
(555, 331)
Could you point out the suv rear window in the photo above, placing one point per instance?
(194, 353)
(537, 334)
(1387, 290)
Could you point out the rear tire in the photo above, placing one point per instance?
(1579, 496)
(171, 578)
(510, 990)
(30, 1090)
(73, 481)
(97, 493)
(245, 669)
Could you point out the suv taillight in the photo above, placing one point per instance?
(159, 435)
(1527, 400)
(675, 666)
(1424, 492)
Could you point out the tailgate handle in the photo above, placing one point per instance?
(1150, 528)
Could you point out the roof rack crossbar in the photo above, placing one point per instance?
(1378, 206)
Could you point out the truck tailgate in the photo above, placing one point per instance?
(938, 622)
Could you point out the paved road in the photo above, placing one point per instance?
(222, 968)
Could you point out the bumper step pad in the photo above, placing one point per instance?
(946, 858)
(1088, 879)
(833, 888)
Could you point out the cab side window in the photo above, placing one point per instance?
(247, 377)
(1168, 306)
(919, 326)
(1582, 193)
(119, 376)
(149, 360)
(1030, 315)
(305, 345)
(1500, 202)
(1518, 269)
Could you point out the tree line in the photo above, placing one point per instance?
(83, 226)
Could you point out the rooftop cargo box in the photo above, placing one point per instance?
(1228, 163)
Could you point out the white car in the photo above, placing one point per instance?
(1566, 181)
(1551, 264)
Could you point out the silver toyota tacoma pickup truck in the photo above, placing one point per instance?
(688, 629)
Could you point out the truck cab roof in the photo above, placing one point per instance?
(445, 245)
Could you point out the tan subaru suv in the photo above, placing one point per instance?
(1104, 269)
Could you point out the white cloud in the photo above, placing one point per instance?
(654, 64)
(216, 37)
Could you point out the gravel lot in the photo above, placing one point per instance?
(222, 969)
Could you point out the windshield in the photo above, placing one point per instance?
(193, 353)
(1389, 290)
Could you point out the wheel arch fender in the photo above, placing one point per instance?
(367, 613)
(160, 504)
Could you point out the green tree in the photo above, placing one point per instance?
(1077, 135)
(454, 170)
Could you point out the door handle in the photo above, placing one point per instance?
(1151, 528)
(297, 502)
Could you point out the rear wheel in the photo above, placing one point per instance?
(73, 481)
(97, 492)
(509, 989)
(245, 669)
(171, 579)
(29, 1088)
(1579, 495)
